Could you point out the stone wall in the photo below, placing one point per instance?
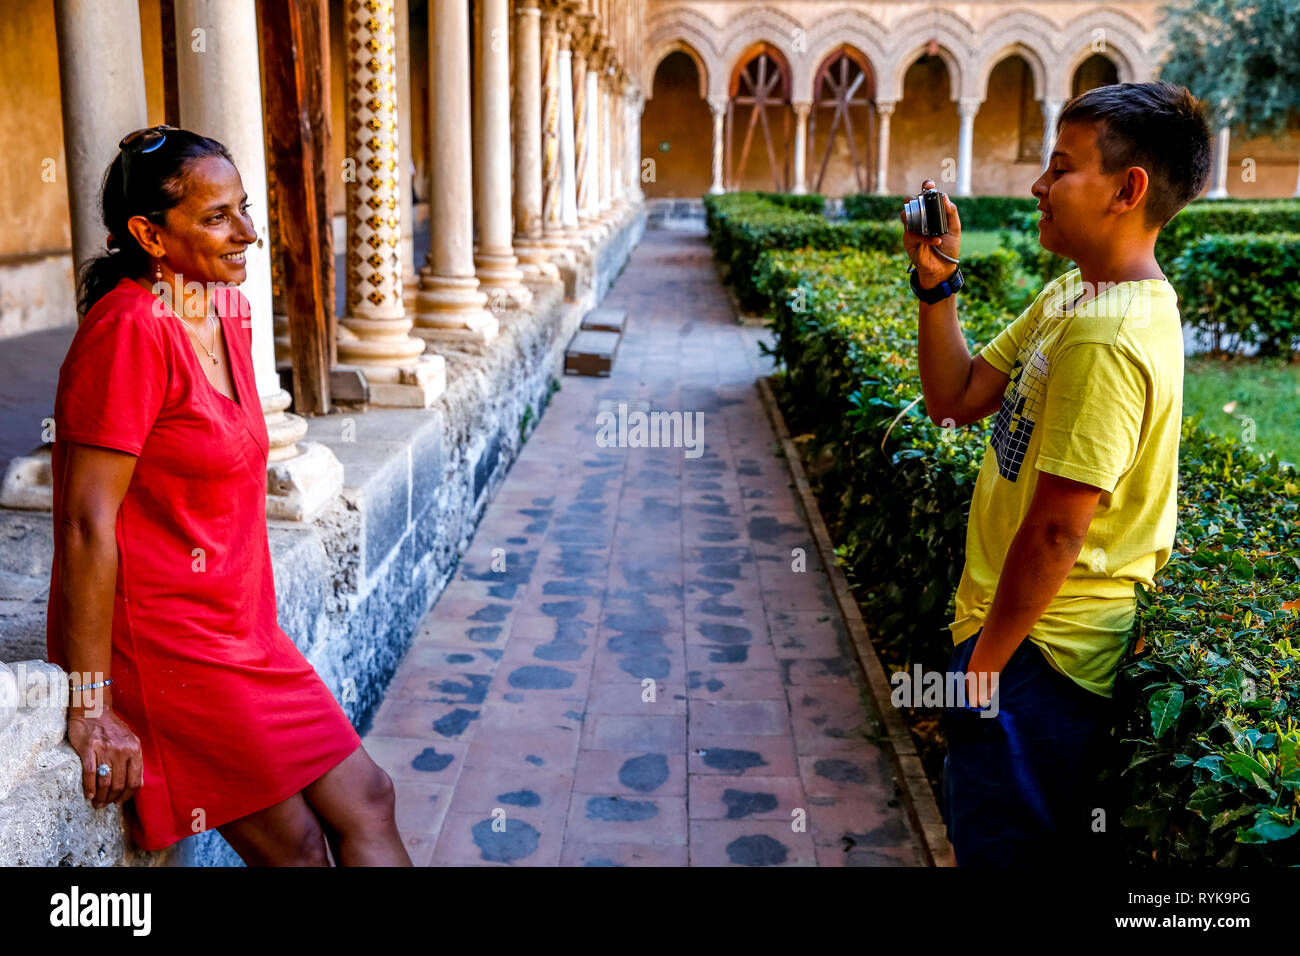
(350, 586)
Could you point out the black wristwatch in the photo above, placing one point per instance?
(950, 286)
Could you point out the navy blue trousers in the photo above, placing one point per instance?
(1022, 788)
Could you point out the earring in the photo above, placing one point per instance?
(157, 271)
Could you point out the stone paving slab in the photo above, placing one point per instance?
(659, 675)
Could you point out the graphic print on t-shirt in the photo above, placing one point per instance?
(1022, 406)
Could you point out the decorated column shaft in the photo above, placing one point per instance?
(375, 331)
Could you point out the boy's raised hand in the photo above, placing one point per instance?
(933, 269)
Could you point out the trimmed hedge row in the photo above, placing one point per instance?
(1196, 220)
(1214, 729)
(743, 225)
(1242, 289)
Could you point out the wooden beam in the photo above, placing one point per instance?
(295, 63)
(171, 90)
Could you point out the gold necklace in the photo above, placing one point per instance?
(200, 341)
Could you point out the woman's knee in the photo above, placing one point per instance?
(380, 794)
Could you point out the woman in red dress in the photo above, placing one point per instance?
(162, 583)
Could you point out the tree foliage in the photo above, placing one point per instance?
(1241, 56)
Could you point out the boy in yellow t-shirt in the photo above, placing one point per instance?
(1076, 499)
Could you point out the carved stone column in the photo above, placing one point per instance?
(884, 109)
(498, 273)
(967, 107)
(718, 107)
(554, 16)
(450, 306)
(801, 111)
(568, 171)
(1051, 107)
(584, 38)
(375, 331)
(1222, 138)
(533, 259)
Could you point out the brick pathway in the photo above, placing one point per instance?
(520, 729)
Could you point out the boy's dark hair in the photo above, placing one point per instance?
(1158, 126)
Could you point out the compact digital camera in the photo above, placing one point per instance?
(925, 215)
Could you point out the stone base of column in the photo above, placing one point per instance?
(29, 483)
(299, 488)
(452, 309)
(534, 262)
(558, 250)
(283, 428)
(415, 385)
(396, 368)
(501, 279)
(593, 228)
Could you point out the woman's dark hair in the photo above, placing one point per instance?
(1158, 126)
(157, 183)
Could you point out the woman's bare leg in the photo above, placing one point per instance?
(285, 834)
(356, 800)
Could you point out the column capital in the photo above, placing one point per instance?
(968, 106)
(526, 6)
(886, 107)
(801, 108)
(609, 56)
(1052, 103)
(585, 34)
(718, 105)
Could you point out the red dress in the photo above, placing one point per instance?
(231, 717)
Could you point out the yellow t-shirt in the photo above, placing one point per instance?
(1096, 395)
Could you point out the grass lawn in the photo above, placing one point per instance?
(1227, 391)
(979, 241)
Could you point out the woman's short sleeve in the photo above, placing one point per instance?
(112, 383)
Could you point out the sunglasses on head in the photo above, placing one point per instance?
(141, 141)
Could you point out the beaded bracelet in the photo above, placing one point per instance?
(102, 683)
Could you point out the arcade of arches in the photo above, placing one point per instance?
(841, 97)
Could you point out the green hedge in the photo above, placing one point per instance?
(1202, 218)
(1212, 776)
(744, 225)
(800, 202)
(1242, 289)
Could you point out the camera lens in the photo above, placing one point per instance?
(914, 211)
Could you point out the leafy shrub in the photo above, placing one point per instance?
(1242, 289)
(1214, 697)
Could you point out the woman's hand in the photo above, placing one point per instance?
(931, 268)
(106, 739)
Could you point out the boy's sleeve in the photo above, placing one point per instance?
(112, 384)
(1093, 414)
(1002, 351)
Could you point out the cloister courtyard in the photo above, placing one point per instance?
(487, 230)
